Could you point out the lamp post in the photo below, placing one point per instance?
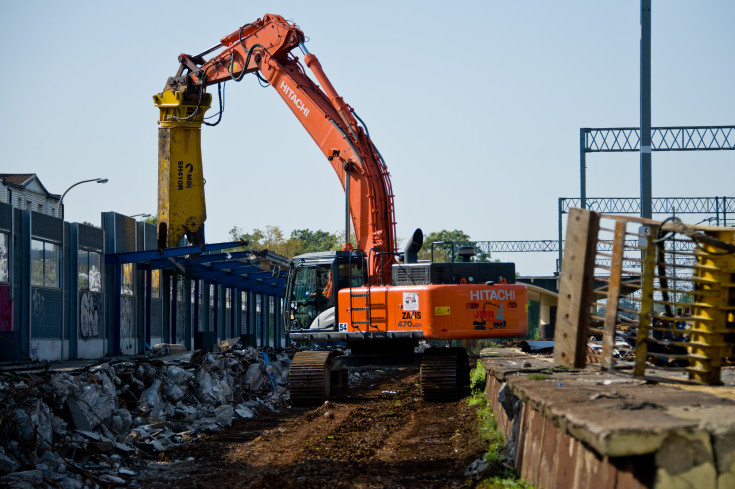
(143, 215)
(61, 256)
(61, 200)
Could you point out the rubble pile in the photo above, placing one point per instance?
(86, 428)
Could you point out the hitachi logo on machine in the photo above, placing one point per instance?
(293, 98)
(492, 295)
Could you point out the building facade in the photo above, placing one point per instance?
(26, 192)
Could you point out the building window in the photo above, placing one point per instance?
(127, 279)
(89, 270)
(40, 208)
(4, 253)
(29, 205)
(44, 264)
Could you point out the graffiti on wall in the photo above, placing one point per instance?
(127, 324)
(6, 309)
(38, 306)
(90, 314)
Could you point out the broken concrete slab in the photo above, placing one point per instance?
(7, 464)
(165, 349)
(178, 375)
(224, 415)
(244, 412)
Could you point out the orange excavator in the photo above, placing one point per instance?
(384, 307)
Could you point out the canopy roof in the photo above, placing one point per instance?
(227, 264)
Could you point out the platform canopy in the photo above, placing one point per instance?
(227, 264)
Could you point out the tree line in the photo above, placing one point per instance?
(437, 245)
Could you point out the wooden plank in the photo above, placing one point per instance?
(645, 315)
(575, 288)
(613, 295)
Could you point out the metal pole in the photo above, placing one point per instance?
(62, 285)
(724, 211)
(148, 307)
(645, 151)
(347, 204)
(561, 252)
(582, 168)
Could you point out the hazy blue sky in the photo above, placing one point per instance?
(476, 107)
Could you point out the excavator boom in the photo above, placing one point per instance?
(265, 47)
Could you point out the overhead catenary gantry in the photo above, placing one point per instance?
(669, 138)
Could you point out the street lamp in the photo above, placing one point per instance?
(144, 215)
(61, 200)
(61, 256)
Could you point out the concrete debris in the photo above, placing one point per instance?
(476, 468)
(244, 412)
(95, 426)
(224, 415)
(165, 349)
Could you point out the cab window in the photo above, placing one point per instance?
(350, 275)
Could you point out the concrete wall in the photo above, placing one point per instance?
(589, 429)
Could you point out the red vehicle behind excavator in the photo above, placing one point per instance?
(377, 303)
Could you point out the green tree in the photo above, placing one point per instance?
(300, 241)
(443, 252)
(316, 240)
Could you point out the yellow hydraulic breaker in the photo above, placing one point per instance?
(714, 309)
(181, 208)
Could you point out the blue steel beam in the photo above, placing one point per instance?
(185, 262)
(150, 255)
(222, 256)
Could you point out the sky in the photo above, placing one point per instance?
(476, 107)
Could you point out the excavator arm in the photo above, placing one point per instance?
(265, 48)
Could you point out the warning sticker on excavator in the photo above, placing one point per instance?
(410, 301)
(442, 311)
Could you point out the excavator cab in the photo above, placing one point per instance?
(313, 282)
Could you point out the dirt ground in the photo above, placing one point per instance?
(383, 435)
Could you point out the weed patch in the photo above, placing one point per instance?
(501, 476)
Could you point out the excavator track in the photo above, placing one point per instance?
(310, 377)
(444, 374)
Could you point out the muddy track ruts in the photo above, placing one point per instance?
(383, 435)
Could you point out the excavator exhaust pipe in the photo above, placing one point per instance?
(411, 251)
